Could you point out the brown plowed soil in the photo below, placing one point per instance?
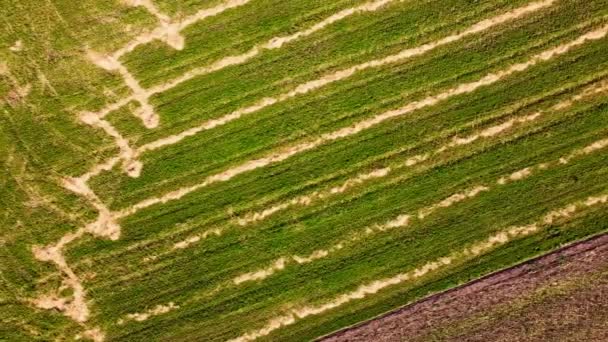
(562, 296)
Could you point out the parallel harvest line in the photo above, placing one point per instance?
(348, 72)
(405, 220)
(305, 200)
(290, 151)
(589, 86)
(106, 223)
(469, 253)
(363, 178)
(170, 33)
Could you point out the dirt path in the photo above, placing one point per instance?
(461, 256)
(419, 320)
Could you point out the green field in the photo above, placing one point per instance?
(219, 170)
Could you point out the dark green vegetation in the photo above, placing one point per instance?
(42, 141)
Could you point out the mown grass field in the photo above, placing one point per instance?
(315, 163)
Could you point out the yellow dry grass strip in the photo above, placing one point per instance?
(404, 220)
(481, 247)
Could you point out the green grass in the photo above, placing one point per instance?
(42, 142)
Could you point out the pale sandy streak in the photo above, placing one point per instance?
(367, 123)
(448, 202)
(597, 88)
(345, 73)
(194, 239)
(587, 150)
(470, 252)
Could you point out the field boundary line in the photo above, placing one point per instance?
(474, 250)
(568, 250)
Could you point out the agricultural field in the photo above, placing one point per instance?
(562, 296)
(239, 170)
